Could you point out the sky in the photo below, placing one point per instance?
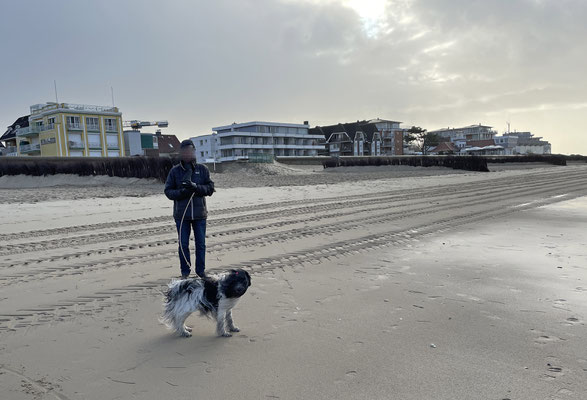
(201, 63)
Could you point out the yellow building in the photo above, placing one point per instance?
(72, 130)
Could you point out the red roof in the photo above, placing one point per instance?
(168, 144)
(444, 146)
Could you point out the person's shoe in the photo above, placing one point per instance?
(201, 274)
(185, 276)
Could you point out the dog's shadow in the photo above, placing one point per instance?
(197, 343)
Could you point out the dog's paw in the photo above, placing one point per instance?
(185, 334)
(235, 329)
(225, 334)
(188, 328)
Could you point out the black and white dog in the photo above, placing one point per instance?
(214, 296)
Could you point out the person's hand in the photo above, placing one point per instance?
(193, 187)
(189, 185)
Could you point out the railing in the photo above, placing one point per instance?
(92, 127)
(34, 130)
(74, 126)
(111, 128)
(9, 151)
(26, 131)
(29, 148)
(48, 127)
(113, 146)
(37, 109)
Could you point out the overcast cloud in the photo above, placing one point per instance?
(433, 63)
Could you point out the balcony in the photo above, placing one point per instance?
(47, 127)
(10, 151)
(74, 126)
(28, 131)
(93, 128)
(111, 128)
(30, 148)
(112, 146)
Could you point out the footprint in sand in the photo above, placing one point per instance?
(572, 321)
(349, 375)
(554, 369)
(544, 339)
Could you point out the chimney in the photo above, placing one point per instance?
(306, 123)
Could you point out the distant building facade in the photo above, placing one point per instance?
(243, 141)
(206, 148)
(363, 138)
(482, 140)
(466, 133)
(68, 130)
(168, 145)
(137, 143)
(527, 143)
(9, 137)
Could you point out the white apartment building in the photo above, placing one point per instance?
(466, 133)
(240, 141)
(206, 148)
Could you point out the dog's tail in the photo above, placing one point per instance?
(181, 299)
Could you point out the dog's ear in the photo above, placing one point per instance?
(248, 277)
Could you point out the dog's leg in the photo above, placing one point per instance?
(180, 326)
(221, 319)
(230, 322)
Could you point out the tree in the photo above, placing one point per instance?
(424, 141)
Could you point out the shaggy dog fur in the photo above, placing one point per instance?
(213, 296)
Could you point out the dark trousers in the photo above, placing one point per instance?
(199, 227)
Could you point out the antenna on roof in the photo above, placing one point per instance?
(112, 92)
(55, 85)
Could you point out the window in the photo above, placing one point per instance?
(94, 141)
(202, 153)
(201, 142)
(51, 120)
(73, 123)
(92, 124)
(110, 124)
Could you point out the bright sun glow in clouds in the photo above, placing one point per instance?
(371, 13)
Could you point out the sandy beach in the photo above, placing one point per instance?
(366, 284)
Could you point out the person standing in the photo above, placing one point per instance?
(188, 184)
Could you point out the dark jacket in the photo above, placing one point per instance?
(196, 208)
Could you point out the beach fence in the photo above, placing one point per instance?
(467, 163)
(124, 167)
